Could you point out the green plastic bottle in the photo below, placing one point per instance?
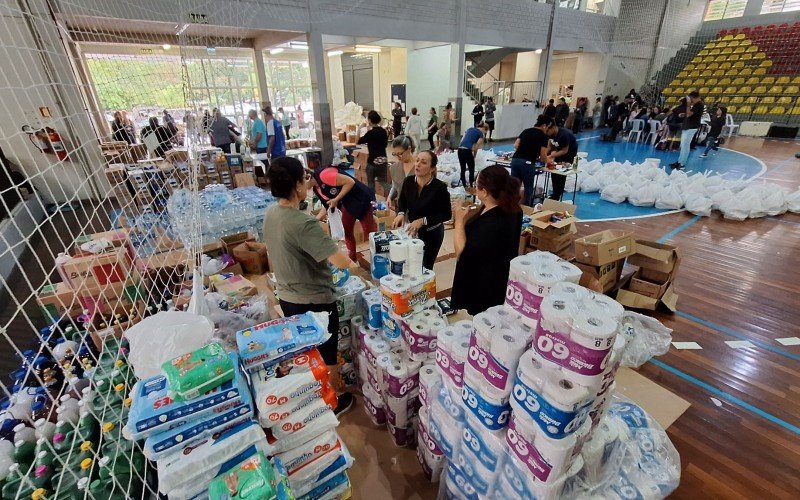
(40, 494)
(12, 483)
(86, 468)
(114, 443)
(43, 453)
(42, 477)
(87, 428)
(24, 453)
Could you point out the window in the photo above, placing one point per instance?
(774, 6)
(289, 84)
(724, 9)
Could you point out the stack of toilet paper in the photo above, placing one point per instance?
(348, 296)
(404, 296)
(418, 332)
(295, 401)
(405, 257)
(349, 304)
(452, 349)
(529, 281)
(379, 248)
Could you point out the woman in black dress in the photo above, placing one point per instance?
(486, 239)
(424, 205)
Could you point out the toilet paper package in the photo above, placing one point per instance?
(432, 465)
(419, 332)
(399, 375)
(529, 280)
(157, 445)
(348, 298)
(542, 395)
(494, 353)
(403, 436)
(452, 348)
(373, 405)
(153, 409)
(447, 421)
(379, 241)
(403, 296)
(400, 411)
(273, 341)
(289, 381)
(545, 458)
(456, 485)
(577, 331)
(198, 465)
(372, 307)
(429, 377)
(516, 481)
(491, 412)
(424, 435)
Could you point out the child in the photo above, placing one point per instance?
(716, 129)
(443, 138)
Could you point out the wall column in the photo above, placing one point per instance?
(546, 58)
(457, 68)
(323, 119)
(261, 74)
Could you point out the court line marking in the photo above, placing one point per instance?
(683, 227)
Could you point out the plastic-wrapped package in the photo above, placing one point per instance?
(720, 197)
(744, 204)
(590, 184)
(698, 204)
(279, 339)
(669, 198)
(615, 193)
(647, 338)
(645, 196)
(228, 320)
(793, 202)
(191, 374)
(774, 200)
(628, 456)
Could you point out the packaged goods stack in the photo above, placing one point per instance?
(295, 403)
(379, 250)
(348, 301)
(194, 417)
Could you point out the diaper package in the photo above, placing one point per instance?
(153, 409)
(199, 371)
(252, 479)
(301, 427)
(280, 339)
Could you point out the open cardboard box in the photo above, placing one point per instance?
(234, 240)
(601, 279)
(98, 270)
(604, 247)
(657, 257)
(635, 300)
(649, 286)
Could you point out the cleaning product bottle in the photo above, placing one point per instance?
(44, 429)
(12, 483)
(87, 428)
(40, 494)
(86, 468)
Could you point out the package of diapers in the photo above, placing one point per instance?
(301, 427)
(289, 381)
(342, 462)
(199, 371)
(276, 416)
(154, 410)
(253, 479)
(273, 341)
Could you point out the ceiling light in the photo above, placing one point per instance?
(334, 53)
(166, 46)
(538, 51)
(276, 51)
(183, 28)
(368, 49)
(298, 45)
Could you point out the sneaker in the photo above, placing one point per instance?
(345, 403)
(704, 155)
(676, 166)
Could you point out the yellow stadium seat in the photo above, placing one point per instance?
(745, 109)
(732, 109)
(796, 80)
(751, 49)
(793, 89)
(759, 55)
(760, 110)
(703, 52)
(746, 56)
(746, 89)
(778, 110)
(767, 100)
(783, 80)
(681, 91)
(761, 89)
(760, 71)
(738, 64)
(711, 82)
(703, 90)
(716, 90)
(727, 37)
(753, 80)
(738, 81)
(731, 90)
(739, 36)
(725, 81)
(745, 42)
(766, 63)
(796, 110)
(715, 52)
(745, 71)
(667, 91)
(776, 89)
(737, 99)
(751, 100)
(784, 100)
(727, 50)
(725, 65)
(768, 80)
(706, 74)
(733, 57)
(738, 50)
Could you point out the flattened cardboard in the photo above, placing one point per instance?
(235, 287)
(243, 180)
(663, 405)
(604, 247)
(656, 256)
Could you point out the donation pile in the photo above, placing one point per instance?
(295, 402)
(348, 305)
(448, 169)
(526, 386)
(646, 184)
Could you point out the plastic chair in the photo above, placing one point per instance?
(783, 80)
(652, 136)
(637, 127)
(746, 89)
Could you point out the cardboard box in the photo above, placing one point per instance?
(604, 247)
(98, 270)
(656, 257)
(635, 300)
(553, 244)
(100, 330)
(231, 241)
(360, 158)
(58, 300)
(601, 279)
(235, 288)
(243, 180)
(164, 260)
(252, 256)
(117, 237)
(213, 249)
(649, 288)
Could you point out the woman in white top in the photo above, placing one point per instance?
(403, 150)
(415, 127)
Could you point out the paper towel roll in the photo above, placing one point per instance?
(416, 248)
(459, 351)
(557, 453)
(534, 371)
(446, 336)
(593, 331)
(398, 255)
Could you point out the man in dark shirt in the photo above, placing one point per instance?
(620, 113)
(691, 122)
(550, 110)
(562, 112)
(563, 149)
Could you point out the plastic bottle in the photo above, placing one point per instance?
(6, 458)
(39, 494)
(44, 429)
(13, 483)
(40, 410)
(43, 476)
(68, 409)
(86, 468)
(23, 452)
(87, 428)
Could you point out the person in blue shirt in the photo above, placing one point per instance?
(258, 133)
(470, 144)
(276, 145)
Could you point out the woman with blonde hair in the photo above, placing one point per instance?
(403, 150)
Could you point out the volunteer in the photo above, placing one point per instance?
(301, 252)
(424, 204)
(530, 146)
(338, 190)
(563, 149)
(403, 166)
(376, 140)
(414, 127)
(276, 145)
(258, 133)
(486, 239)
(468, 149)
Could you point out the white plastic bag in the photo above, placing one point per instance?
(647, 338)
(774, 200)
(335, 223)
(742, 205)
(165, 336)
(615, 193)
(720, 197)
(669, 199)
(591, 185)
(645, 196)
(698, 204)
(793, 202)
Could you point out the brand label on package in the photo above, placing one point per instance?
(492, 416)
(450, 368)
(446, 446)
(486, 364)
(525, 302)
(426, 439)
(565, 352)
(457, 480)
(475, 443)
(399, 387)
(554, 422)
(527, 453)
(378, 415)
(480, 484)
(417, 344)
